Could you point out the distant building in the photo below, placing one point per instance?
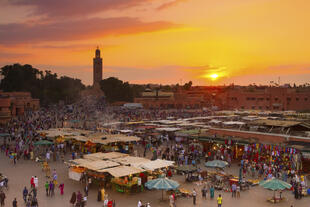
(16, 104)
(267, 98)
(169, 100)
(97, 68)
(230, 98)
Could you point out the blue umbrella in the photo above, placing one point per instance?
(4, 135)
(216, 164)
(162, 184)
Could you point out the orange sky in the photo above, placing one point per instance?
(161, 41)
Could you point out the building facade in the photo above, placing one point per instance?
(16, 104)
(97, 68)
(268, 98)
(231, 98)
(181, 99)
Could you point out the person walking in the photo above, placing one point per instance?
(219, 201)
(25, 194)
(2, 198)
(14, 202)
(34, 202)
(73, 198)
(233, 190)
(61, 187)
(51, 188)
(36, 182)
(79, 198)
(211, 192)
(47, 185)
(171, 201)
(194, 196)
(86, 189)
(238, 191)
(204, 192)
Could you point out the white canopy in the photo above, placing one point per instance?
(168, 129)
(214, 121)
(233, 123)
(156, 164)
(122, 171)
(130, 160)
(104, 156)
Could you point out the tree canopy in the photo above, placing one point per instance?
(43, 85)
(116, 90)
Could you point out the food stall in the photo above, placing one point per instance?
(126, 179)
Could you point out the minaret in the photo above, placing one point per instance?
(97, 68)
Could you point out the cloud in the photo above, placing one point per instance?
(170, 4)
(66, 8)
(77, 29)
(72, 46)
(10, 55)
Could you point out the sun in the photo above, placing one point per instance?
(214, 76)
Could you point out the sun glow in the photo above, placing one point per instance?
(214, 76)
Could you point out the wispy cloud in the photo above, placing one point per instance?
(67, 8)
(170, 4)
(78, 29)
(12, 55)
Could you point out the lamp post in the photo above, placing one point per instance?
(1, 77)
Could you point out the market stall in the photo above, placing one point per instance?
(125, 179)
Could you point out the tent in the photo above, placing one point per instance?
(216, 164)
(43, 142)
(156, 164)
(162, 184)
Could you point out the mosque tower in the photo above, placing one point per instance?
(97, 69)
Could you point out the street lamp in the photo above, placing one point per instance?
(1, 77)
(38, 76)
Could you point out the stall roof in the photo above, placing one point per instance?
(168, 122)
(215, 121)
(99, 165)
(234, 123)
(156, 164)
(125, 131)
(94, 137)
(168, 129)
(105, 156)
(79, 162)
(130, 160)
(278, 123)
(189, 132)
(122, 171)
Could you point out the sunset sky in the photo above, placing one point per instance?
(210, 42)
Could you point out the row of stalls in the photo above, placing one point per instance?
(89, 141)
(119, 171)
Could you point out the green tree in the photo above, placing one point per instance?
(46, 86)
(116, 90)
(188, 85)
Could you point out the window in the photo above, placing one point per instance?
(297, 99)
(267, 99)
(306, 99)
(260, 107)
(276, 107)
(253, 107)
(267, 107)
(275, 99)
(253, 98)
(288, 99)
(248, 98)
(242, 107)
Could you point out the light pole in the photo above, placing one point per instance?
(1, 77)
